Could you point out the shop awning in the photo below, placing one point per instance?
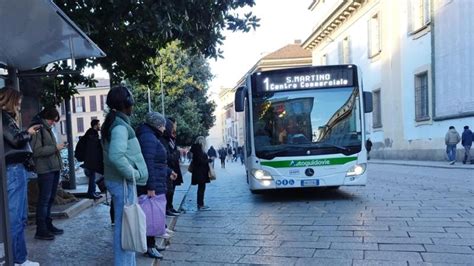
(34, 33)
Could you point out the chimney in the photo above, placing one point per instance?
(298, 41)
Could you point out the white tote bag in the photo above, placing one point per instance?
(133, 223)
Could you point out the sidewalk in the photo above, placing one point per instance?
(87, 238)
(435, 164)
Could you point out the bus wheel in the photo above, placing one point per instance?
(333, 187)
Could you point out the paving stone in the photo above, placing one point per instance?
(340, 239)
(379, 263)
(323, 261)
(397, 240)
(258, 243)
(286, 252)
(399, 247)
(257, 259)
(449, 258)
(339, 254)
(306, 244)
(354, 246)
(392, 255)
(448, 249)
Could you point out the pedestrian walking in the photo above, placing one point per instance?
(451, 139)
(123, 162)
(368, 147)
(466, 141)
(168, 139)
(212, 154)
(222, 155)
(89, 151)
(155, 156)
(200, 173)
(48, 163)
(17, 153)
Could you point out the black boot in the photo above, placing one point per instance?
(53, 229)
(43, 233)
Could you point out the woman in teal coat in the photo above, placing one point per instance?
(123, 161)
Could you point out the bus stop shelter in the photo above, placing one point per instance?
(33, 33)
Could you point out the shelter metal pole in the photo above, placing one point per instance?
(70, 145)
(5, 236)
(162, 92)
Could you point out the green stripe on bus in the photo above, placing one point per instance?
(307, 163)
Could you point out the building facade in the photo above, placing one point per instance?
(414, 57)
(87, 105)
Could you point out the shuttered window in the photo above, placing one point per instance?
(377, 111)
(421, 97)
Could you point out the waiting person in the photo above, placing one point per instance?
(48, 162)
(368, 146)
(93, 159)
(123, 162)
(466, 141)
(200, 174)
(155, 155)
(168, 139)
(212, 155)
(17, 153)
(451, 139)
(222, 155)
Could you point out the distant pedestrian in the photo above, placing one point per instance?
(155, 156)
(212, 155)
(467, 144)
(89, 150)
(368, 146)
(222, 155)
(200, 174)
(241, 154)
(17, 153)
(123, 162)
(451, 139)
(48, 162)
(229, 153)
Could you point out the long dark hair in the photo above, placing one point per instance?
(119, 99)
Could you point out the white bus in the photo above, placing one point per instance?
(304, 127)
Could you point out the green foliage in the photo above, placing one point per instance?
(185, 77)
(130, 31)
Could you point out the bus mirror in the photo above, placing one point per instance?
(239, 99)
(368, 106)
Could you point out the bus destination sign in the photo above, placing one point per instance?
(306, 78)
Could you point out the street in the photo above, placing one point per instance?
(404, 216)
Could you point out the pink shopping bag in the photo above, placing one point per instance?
(155, 212)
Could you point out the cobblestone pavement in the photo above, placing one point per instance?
(405, 216)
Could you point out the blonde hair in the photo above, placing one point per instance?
(9, 99)
(201, 141)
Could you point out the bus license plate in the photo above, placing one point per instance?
(312, 182)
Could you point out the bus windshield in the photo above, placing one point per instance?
(304, 122)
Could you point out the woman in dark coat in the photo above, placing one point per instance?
(155, 156)
(200, 168)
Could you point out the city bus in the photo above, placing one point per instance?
(304, 127)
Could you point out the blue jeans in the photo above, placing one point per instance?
(121, 257)
(91, 175)
(451, 151)
(17, 209)
(48, 186)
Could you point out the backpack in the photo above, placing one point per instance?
(80, 151)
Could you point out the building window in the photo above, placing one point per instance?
(421, 97)
(377, 112)
(344, 51)
(419, 14)
(375, 46)
(63, 109)
(93, 103)
(103, 99)
(324, 59)
(79, 104)
(80, 124)
(63, 127)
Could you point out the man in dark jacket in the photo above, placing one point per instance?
(212, 155)
(93, 161)
(466, 141)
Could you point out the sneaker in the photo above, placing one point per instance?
(169, 231)
(28, 263)
(204, 208)
(54, 230)
(171, 214)
(44, 236)
(452, 162)
(153, 253)
(159, 248)
(165, 236)
(175, 211)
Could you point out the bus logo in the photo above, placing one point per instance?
(309, 172)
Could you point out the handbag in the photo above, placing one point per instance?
(212, 173)
(133, 223)
(154, 209)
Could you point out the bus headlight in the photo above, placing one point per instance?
(261, 174)
(357, 169)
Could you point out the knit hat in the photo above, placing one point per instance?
(155, 119)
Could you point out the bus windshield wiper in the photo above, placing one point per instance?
(338, 147)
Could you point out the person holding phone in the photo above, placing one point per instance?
(17, 153)
(48, 163)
